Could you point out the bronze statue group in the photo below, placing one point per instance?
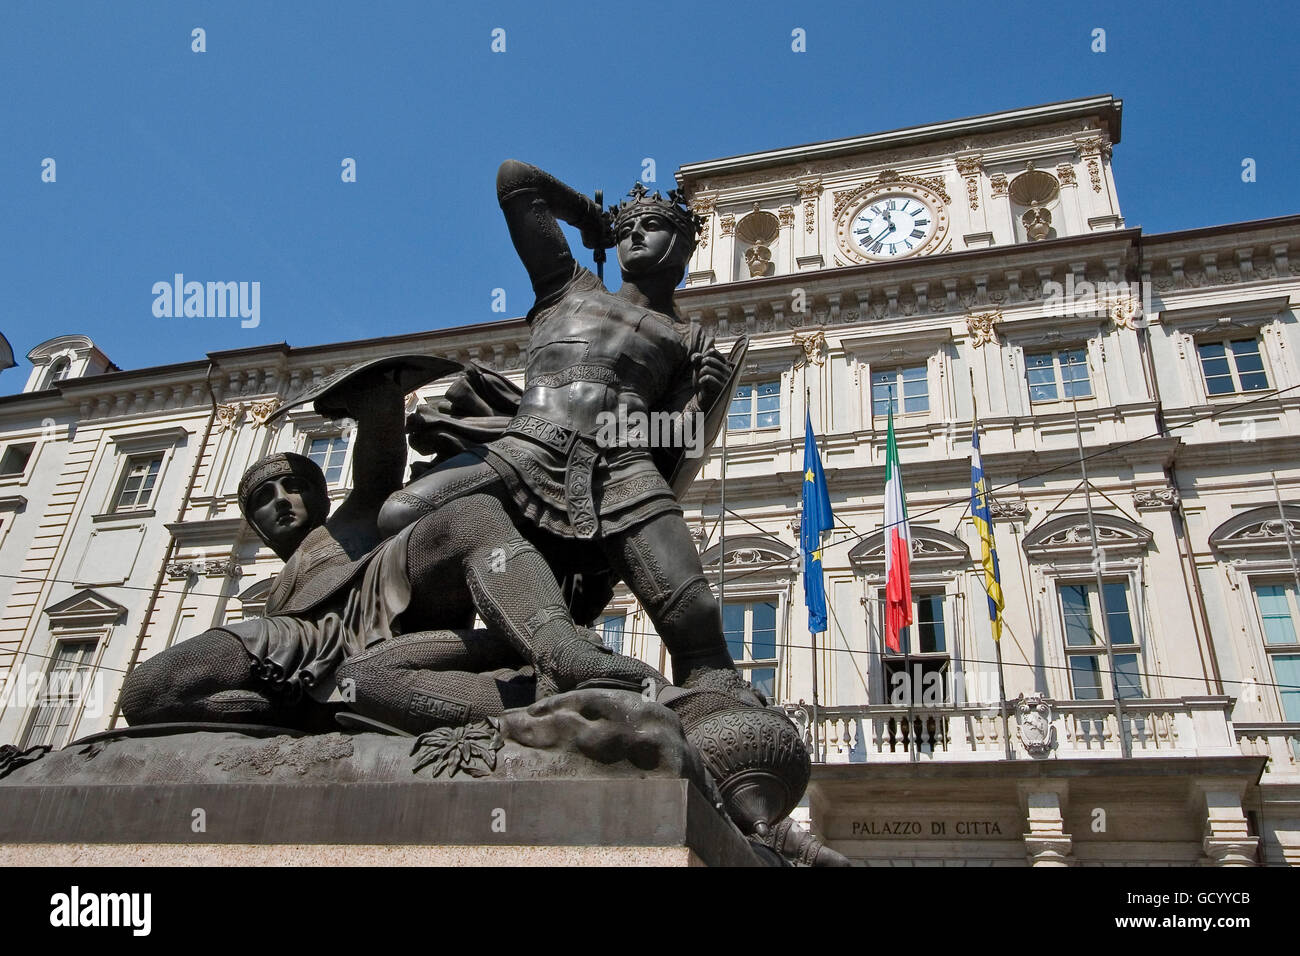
(522, 517)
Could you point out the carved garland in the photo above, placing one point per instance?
(889, 177)
(969, 168)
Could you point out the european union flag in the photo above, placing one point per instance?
(817, 518)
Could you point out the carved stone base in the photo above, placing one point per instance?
(597, 769)
(1048, 851)
(1231, 851)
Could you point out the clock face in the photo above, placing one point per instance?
(892, 226)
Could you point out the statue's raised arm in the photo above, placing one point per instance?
(533, 201)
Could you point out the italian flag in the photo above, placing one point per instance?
(898, 547)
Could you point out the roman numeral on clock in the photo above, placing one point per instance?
(918, 233)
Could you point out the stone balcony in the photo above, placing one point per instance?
(1044, 729)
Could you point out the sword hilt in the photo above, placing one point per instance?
(598, 254)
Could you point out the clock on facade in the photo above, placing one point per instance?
(894, 225)
(885, 221)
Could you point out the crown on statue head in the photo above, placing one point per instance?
(643, 203)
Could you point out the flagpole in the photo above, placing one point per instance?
(913, 748)
(997, 643)
(1097, 554)
(807, 400)
(1286, 529)
(722, 528)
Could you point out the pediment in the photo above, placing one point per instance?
(932, 549)
(1068, 536)
(1259, 532)
(751, 551)
(85, 607)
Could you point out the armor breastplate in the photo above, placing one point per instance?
(592, 351)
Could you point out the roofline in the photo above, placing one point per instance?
(1131, 235)
(1106, 106)
(1201, 232)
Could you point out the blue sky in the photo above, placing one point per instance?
(225, 165)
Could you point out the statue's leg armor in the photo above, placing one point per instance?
(659, 562)
(465, 474)
(437, 679)
(471, 542)
(521, 599)
(206, 678)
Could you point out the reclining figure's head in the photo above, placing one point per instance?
(283, 497)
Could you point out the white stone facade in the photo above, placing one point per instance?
(1187, 463)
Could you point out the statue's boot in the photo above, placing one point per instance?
(516, 593)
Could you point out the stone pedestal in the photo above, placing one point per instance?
(218, 794)
(576, 822)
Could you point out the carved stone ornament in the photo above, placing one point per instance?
(1009, 509)
(982, 327)
(1065, 173)
(1034, 725)
(890, 178)
(1037, 223)
(261, 411)
(702, 205)
(1126, 312)
(212, 568)
(759, 261)
(727, 223)
(228, 416)
(1155, 498)
(998, 184)
(786, 215)
(814, 348)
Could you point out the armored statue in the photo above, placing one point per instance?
(587, 505)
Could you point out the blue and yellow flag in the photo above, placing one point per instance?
(817, 518)
(983, 518)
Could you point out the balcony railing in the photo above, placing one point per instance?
(1177, 727)
(1280, 743)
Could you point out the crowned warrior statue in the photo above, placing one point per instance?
(597, 509)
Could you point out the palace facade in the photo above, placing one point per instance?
(1151, 649)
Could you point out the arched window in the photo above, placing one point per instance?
(60, 368)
